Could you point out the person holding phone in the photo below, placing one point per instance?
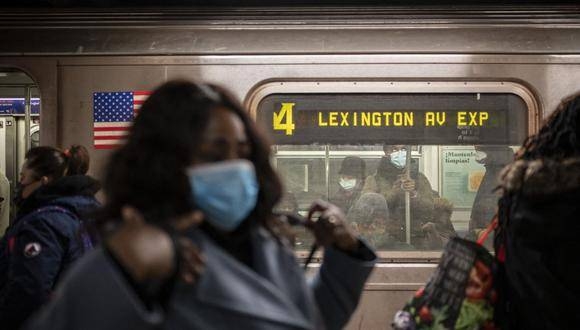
(191, 241)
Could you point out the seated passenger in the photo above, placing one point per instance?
(47, 237)
(369, 216)
(440, 229)
(494, 158)
(537, 241)
(212, 166)
(350, 183)
(391, 181)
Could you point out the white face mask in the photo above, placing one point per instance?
(347, 184)
(480, 157)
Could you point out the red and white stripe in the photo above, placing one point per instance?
(110, 135)
(139, 98)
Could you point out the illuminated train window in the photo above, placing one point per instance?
(19, 129)
(409, 169)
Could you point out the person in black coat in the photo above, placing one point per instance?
(47, 235)
(537, 241)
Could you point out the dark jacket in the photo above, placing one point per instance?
(41, 244)
(345, 199)
(537, 240)
(485, 202)
(422, 207)
(272, 295)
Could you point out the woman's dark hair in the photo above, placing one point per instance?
(55, 163)
(78, 160)
(558, 136)
(149, 171)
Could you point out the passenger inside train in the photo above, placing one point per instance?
(494, 159)
(369, 216)
(204, 194)
(393, 181)
(351, 180)
(4, 202)
(441, 229)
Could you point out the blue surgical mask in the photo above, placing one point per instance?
(399, 158)
(226, 192)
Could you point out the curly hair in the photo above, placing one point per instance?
(149, 171)
(558, 136)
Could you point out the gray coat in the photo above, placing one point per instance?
(229, 295)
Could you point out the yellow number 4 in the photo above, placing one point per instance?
(285, 113)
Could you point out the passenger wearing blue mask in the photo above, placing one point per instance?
(191, 241)
(351, 176)
(391, 181)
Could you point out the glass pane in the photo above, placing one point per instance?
(14, 87)
(397, 193)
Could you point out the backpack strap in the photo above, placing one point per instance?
(485, 234)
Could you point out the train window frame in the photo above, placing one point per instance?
(319, 86)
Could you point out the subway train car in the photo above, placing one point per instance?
(19, 113)
(449, 92)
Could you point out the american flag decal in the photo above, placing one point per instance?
(113, 113)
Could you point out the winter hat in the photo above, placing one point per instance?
(353, 166)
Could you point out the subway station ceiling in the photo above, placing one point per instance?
(267, 3)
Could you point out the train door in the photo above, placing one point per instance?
(19, 130)
(410, 163)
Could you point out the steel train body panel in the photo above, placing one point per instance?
(73, 54)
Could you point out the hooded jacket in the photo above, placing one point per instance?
(43, 242)
(537, 245)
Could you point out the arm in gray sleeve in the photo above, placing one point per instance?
(95, 295)
(340, 283)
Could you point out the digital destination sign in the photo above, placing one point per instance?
(394, 118)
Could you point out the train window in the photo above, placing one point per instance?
(409, 170)
(19, 129)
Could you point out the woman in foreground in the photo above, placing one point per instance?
(191, 240)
